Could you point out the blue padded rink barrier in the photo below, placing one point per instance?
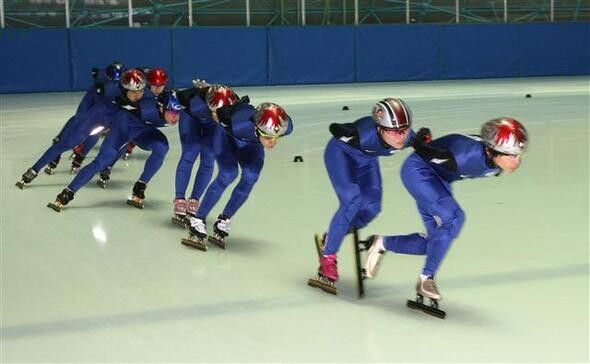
(104, 282)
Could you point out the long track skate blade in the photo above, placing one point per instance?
(324, 286)
(426, 309)
(220, 243)
(178, 221)
(134, 203)
(197, 244)
(55, 207)
(319, 244)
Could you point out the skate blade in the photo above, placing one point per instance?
(55, 207)
(101, 184)
(426, 309)
(219, 242)
(73, 170)
(197, 244)
(20, 185)
(179, 221)
(134, 203)
(323, 285)
(48, 171)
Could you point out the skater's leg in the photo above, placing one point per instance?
(206, 164)
(190, 142)
(369, 179)
(227, 162)
(342, 171)
(251, 160)
(154, 140)
(89, 143)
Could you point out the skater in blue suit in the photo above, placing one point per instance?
(428, 175)
(196, 139)
(135, 121)
(351, 158)
(243, 134)
(92, 116)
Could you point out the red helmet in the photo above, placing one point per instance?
(504, 135)
(157, 77)
(220, 95)
(392, 113)
(133, 80)
(271, 119)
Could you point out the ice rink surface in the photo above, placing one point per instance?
(105, 282)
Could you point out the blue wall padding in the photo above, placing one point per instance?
(302, 55)
(399, 52)
(479, 51)
(34, 60)
(42, 60)
(555, 49)
(236, 56)
(134, 47)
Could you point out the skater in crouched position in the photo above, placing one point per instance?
(93, 115)
(351, 159)
(240, 139)
(136, 121)
(427, 175)
(196, 138)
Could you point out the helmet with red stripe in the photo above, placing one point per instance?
(133, 80)
(504, 135)
(220, 95)
(392, 113)
(271, 120)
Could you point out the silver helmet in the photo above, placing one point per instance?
(271, 119)
(392, 113)
(504, 135)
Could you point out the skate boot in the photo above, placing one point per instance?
(27, 177)
(375, 251)
(327, 275)
(77, 163)
(138, 195)
(62, 199)
(192, 207)
(197, 234)
(105, 176)
(220, 231)
(52, 165)
(179, 217)
(426, 286)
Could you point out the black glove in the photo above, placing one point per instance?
(423, 136)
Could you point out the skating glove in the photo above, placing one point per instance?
(423, 136)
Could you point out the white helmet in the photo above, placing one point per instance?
(504, 135)
(271, 119)
(392, 113)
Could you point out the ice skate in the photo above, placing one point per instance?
(26, 178)
(138, 195)
(192, 207)
(375, 251)
(361, 274)
(426, 287)
(197, 234)
(220, 231)
(76, 163)
(179, 217)
(61, 200)
(328, 270)
(105, 176)
(52, 165)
